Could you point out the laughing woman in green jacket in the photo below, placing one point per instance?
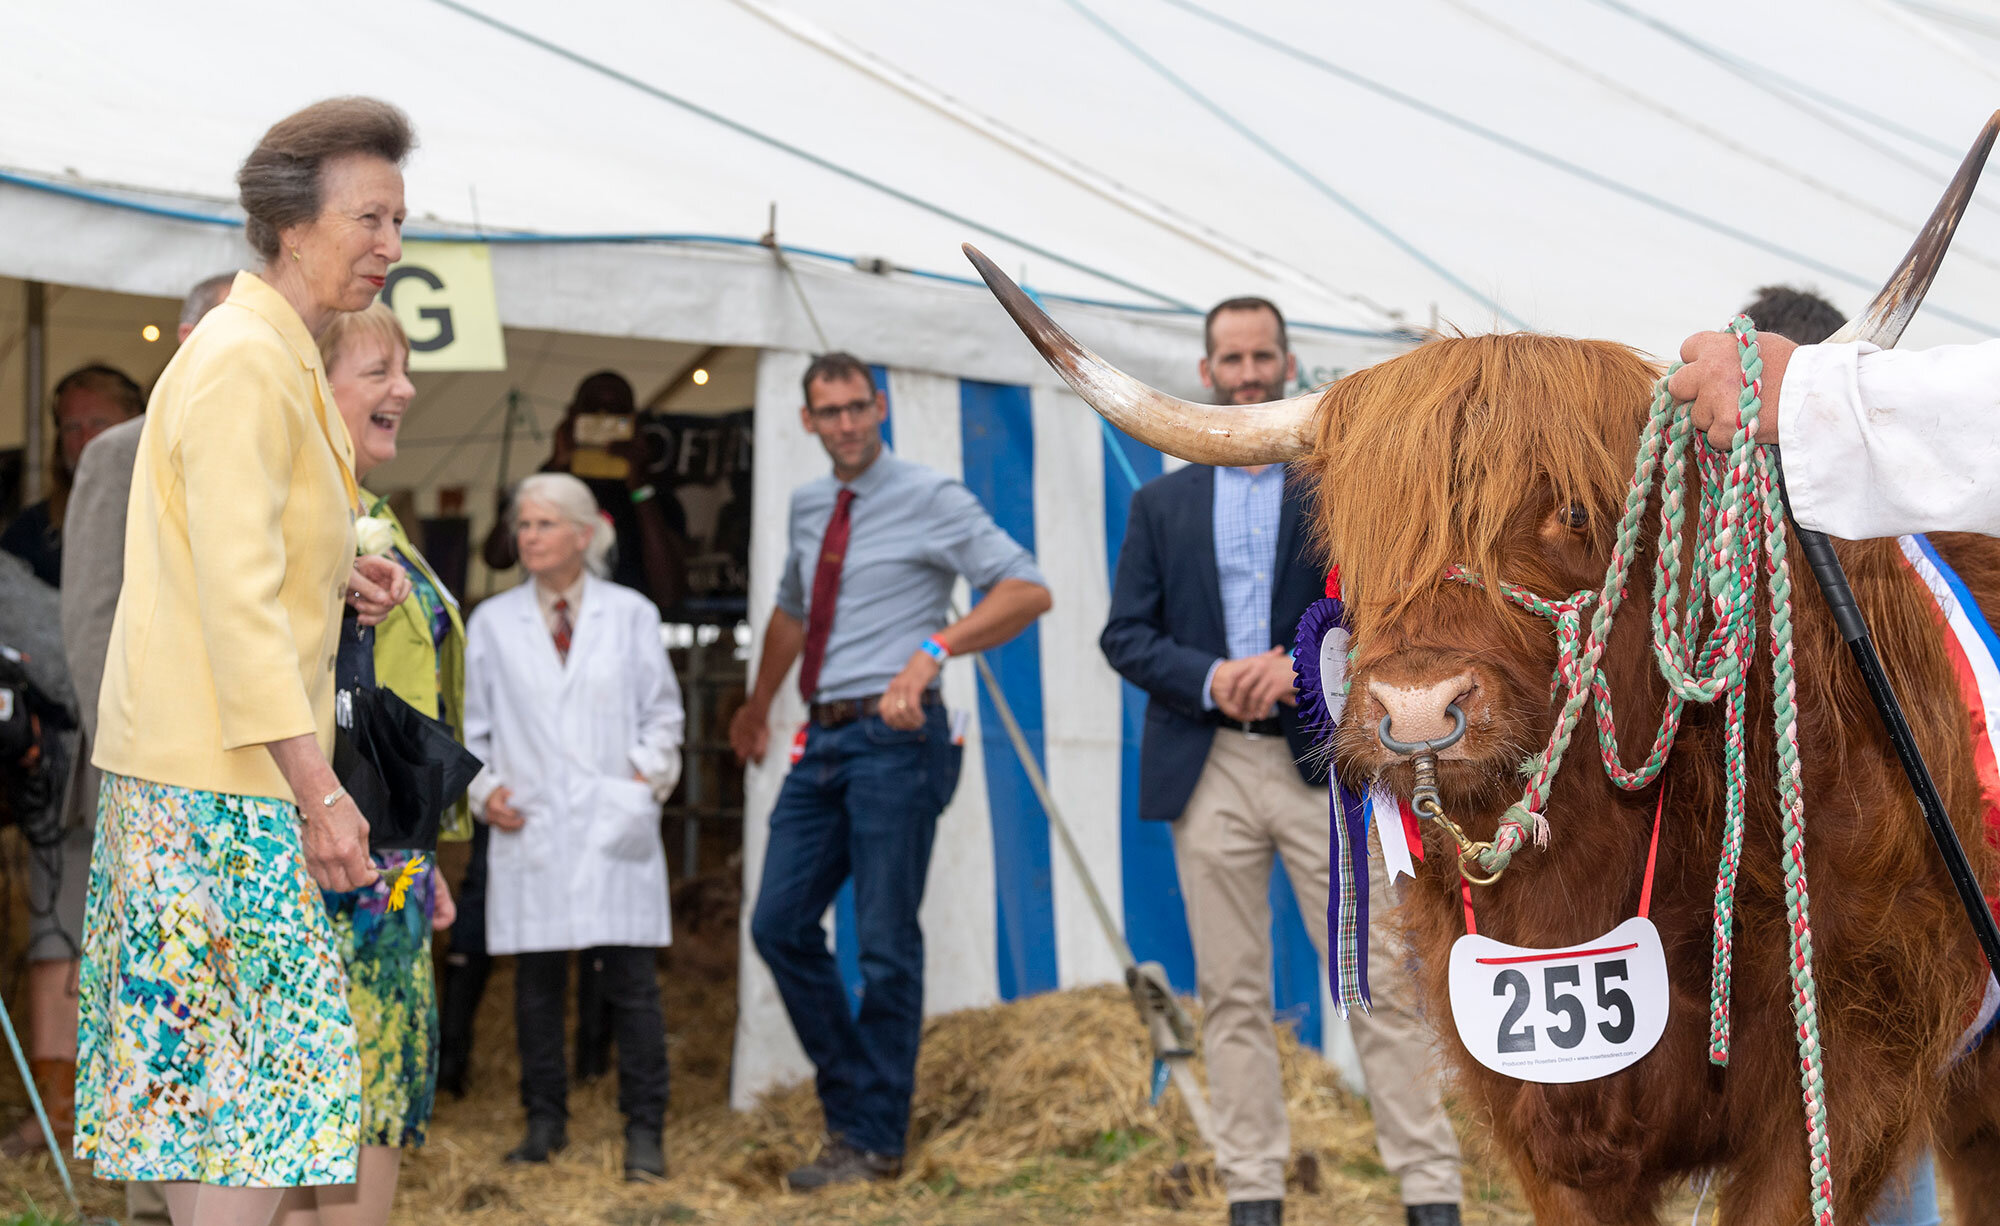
(420, 657)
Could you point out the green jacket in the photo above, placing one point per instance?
(430, 677)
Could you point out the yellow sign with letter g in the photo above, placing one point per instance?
(443, 294)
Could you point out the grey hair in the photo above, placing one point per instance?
(573, 500)
(205, 297)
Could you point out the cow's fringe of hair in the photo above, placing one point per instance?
(1418, 469)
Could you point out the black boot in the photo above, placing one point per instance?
(643, 1155)
(1256, 1212)
(1431, 1215)
(544, 1137)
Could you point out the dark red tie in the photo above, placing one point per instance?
(825, 593)
(563, 630)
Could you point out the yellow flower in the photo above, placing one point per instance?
(398, 891)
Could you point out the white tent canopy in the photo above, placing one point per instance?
(1583, 167)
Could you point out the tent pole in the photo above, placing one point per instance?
(34, 362)
(506, 460)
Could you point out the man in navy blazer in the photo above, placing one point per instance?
(1213, 577)
(1166, 633)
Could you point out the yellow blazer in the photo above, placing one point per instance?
(238, 543)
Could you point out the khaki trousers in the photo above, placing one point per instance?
(1250, 803)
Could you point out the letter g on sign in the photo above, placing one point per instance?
(438, 315)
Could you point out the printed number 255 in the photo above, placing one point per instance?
(1515, 1037)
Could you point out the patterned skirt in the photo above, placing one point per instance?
(393, 995)
(214, 1042)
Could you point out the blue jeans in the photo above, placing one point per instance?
(863, 801)
(1910, 1199)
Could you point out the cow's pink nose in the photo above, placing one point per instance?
(1420, 713)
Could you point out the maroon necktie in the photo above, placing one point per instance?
(826, 591)
(563, 630)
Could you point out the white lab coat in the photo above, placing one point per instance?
(1882, 442)
(587, 868)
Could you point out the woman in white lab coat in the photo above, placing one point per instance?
(571, 703)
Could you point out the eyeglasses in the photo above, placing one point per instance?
(827, 414)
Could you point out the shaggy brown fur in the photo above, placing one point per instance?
(1474, 451)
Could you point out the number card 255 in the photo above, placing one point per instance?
(1561, 1015)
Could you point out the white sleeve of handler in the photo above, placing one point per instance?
(1880, 442)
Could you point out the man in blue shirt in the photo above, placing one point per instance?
(864, 607)
(1213, 577)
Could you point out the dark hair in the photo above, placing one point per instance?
(1243, 304)
(279, 184)
(205, 297)
(607, 391)
(833, 366)
(1795, 314)
(105, 381)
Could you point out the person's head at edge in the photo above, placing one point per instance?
(323, 194)
(558, 530)
(87, 401)
(367, 355)
(845, 410)
(1248, 356)
(1796, 314)
(203, 298)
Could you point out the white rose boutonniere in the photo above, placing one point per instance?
(373, 536)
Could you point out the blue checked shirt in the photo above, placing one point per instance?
(913, 532)
(1247, 510)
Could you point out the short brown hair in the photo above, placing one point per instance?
(279, 184)
(376, 322)
(107, 381)
(1243, 304)
(607, 391)
(833, 366)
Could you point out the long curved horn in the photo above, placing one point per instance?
(1225, 435)
(1886, 317)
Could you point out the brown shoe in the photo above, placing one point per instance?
(839, 1162)
(55, 1081)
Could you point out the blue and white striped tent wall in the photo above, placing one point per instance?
(1004, 915)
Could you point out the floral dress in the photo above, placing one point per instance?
(214, 1041)
(391, 987)
(391, 990)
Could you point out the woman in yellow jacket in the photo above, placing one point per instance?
(216, 1049)
(384, 930)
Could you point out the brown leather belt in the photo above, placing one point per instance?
(847, 710)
